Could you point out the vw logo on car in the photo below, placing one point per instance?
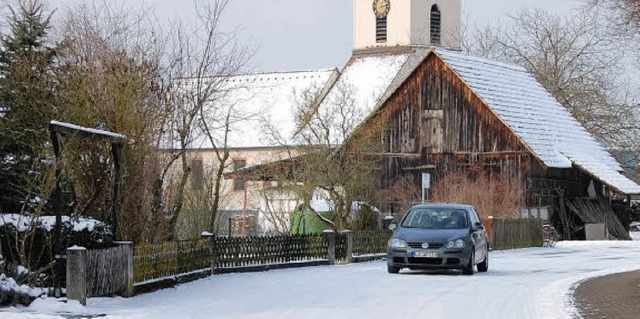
(425, 245)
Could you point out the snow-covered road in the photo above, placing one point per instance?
(525, 283)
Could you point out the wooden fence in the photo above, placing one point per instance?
(236, 252)
(228, 254)
(342, 248)
(115, 270)
(224, 254)
(370, 242)
(107, 270)
(155, 261)
(99, 272)
(516, 233)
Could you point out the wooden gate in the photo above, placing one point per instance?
(109, 271)
(516, 233)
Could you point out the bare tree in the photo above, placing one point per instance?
(277, 204)
(201, 58)
(403, 193)
(576, 59)
(340, 174)
(112, 78)
(627, 10)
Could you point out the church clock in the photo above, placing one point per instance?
(381, 8)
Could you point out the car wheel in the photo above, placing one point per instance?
(484, 265)
(468, 270)
(393, 269)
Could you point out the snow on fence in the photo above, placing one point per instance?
(516, 233)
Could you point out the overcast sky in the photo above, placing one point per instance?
(310, 34)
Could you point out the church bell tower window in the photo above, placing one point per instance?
(435, 25)
(381, 30)
(381, 10)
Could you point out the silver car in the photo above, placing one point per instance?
(439, 236)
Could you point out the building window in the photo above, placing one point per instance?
(381, 30)
(197, 174)
(238, 183)
(435, 25)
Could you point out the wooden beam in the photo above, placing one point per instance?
(491, 153)
(421, 167)
(396, 154)
(72, 129)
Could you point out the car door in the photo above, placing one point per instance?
(479, 237)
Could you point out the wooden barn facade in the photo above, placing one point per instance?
(446, 111)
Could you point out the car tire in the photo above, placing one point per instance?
(393, 269)
(484, 265)
(468, 270)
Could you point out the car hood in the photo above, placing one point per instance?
(430, 235)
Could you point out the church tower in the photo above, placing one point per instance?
(395, 24)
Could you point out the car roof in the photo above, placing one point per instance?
(442, 205)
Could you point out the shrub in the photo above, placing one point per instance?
(494, 194)
(29, 241)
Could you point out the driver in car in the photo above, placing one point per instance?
(457, 221)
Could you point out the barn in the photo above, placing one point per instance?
(448, 111)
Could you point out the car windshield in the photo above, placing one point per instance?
(436, 218)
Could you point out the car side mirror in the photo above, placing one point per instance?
(478, 226)
(393, 226)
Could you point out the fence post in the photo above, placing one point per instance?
(77, 274)
(212, 249)
(330, 238)
(349, 235)
(127, 251)
(492, 240)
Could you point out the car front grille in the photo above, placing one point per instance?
(425, 261)
(418, 244)
(453, 261)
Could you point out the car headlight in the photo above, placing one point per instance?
(459, 243)
(397, 243)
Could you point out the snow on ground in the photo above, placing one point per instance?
(524, 283)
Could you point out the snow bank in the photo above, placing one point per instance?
(24, 222)
(7, 283)
(11, 293)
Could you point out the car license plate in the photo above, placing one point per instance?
(424, 254)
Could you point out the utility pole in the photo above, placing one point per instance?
(244, 210)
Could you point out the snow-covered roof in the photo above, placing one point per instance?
(265, 98)
(363, 81)
(268, 101)
(544, 125)
(370, 76)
